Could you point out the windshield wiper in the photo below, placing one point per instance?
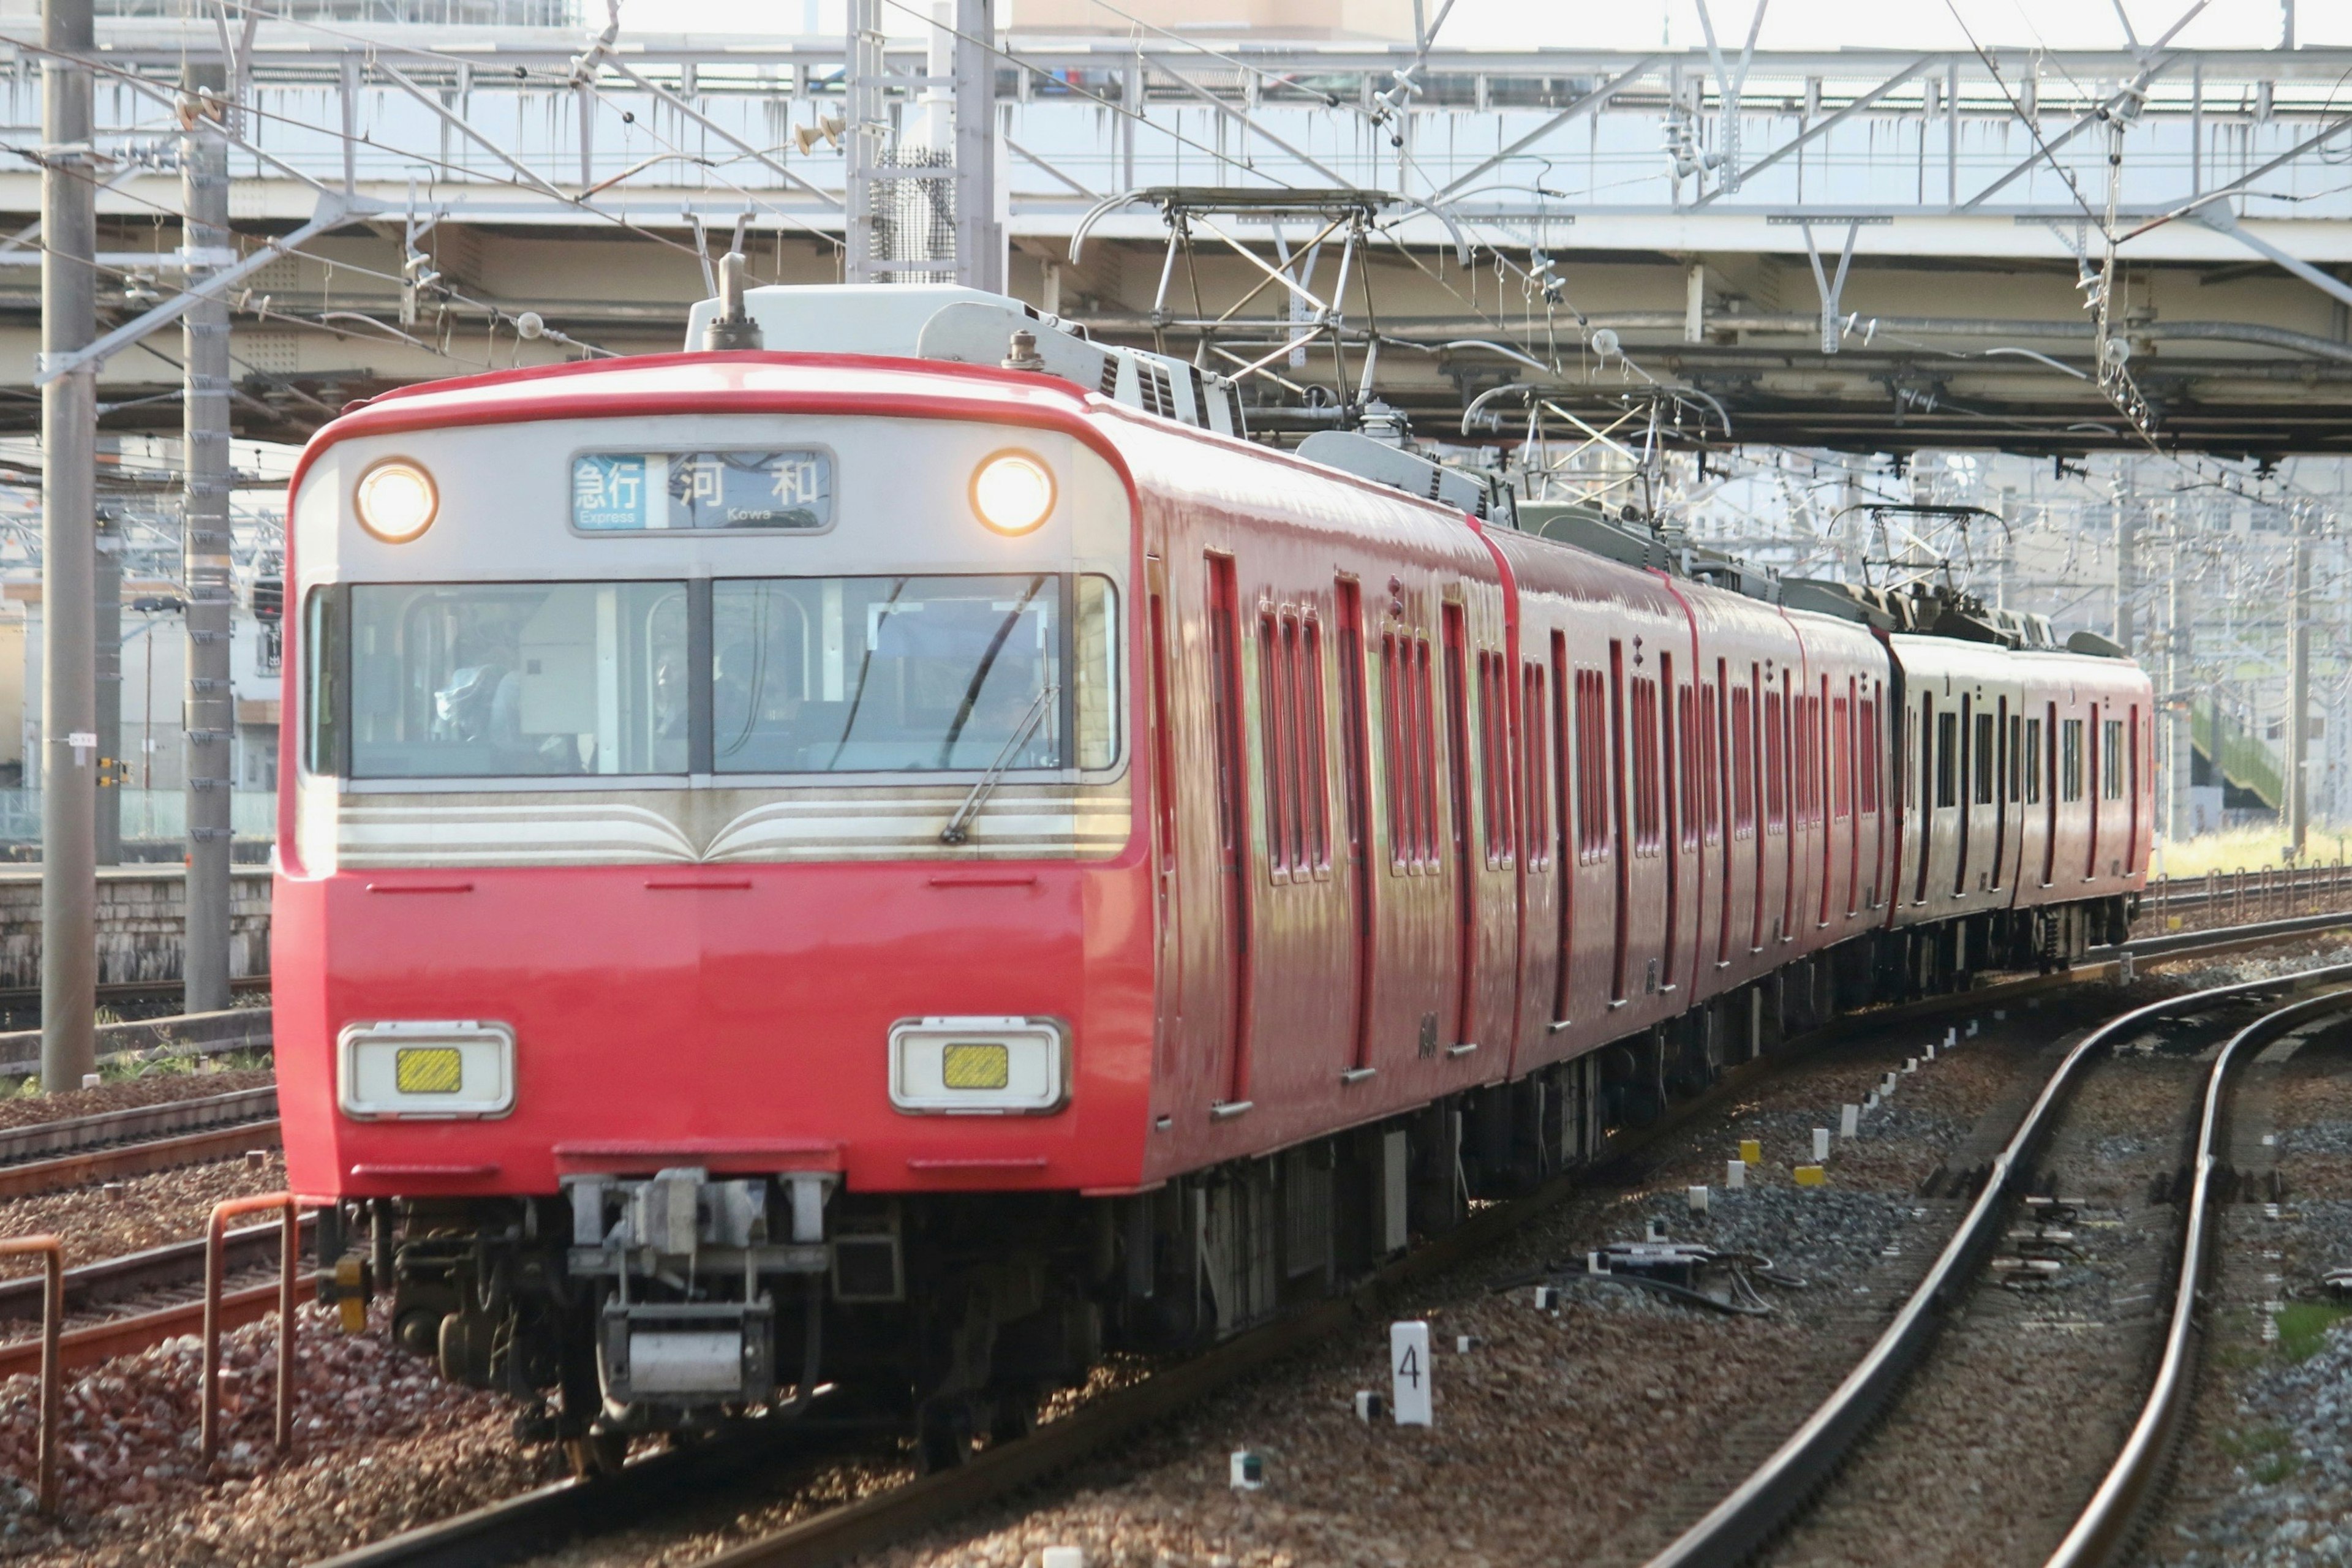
(959, 827)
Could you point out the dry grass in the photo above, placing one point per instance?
(2251, 848)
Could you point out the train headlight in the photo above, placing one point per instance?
(395, 501)
(416, 1069)
(979, 1067)
(1012, 493)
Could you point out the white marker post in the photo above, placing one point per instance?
(1850, 1122)
(1821, 1145)
(1735, 1176)
(1408, 1373)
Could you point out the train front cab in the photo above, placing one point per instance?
(711, 897)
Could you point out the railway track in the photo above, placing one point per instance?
(666, 1483)
(48, 1157)
(1788, 1482)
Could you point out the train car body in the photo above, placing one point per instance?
(886, 872)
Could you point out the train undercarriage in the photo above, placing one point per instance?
(674, 1301)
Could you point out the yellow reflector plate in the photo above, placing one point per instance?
(429, 1069)
(975, 1065)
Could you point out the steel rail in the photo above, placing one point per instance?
(2105, 1524)
(1778, 1489)
(18, 1144)
(134, 1159)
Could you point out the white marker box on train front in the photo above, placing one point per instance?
(1408, 1373)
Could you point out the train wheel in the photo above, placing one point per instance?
(597, 1454)
(1013, 1415)
(942, 1435)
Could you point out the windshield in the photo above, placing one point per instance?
(907, 674)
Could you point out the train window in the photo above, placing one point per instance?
(2070, 760)
(913, 674)
(1841, 737)
(1743, 763)
(2016, 760)
(1776, 765)
(1686, 763)
(1866, 756)
(2111, 759)
(1395, 755)
(323, 675)
(2034, 762)
(1535, 760)
(1315, 784)
(1275, 650)
(1490, 771)
(1711, 757)
(1425, 709)
(1591, 766)
(1947, 759)
(518, 679)
(1984, 759)
(1645, 767)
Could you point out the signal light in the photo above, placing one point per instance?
(1012, 493)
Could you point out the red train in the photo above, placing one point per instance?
(863, 868)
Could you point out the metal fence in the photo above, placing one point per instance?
(147, 814)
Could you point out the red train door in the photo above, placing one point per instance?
(1748, 738)
(2131, 842)
(1566, 854)
(1355, 739)
(1624, 847)
(1232, 817)
(2091, 795)
(1719, 783)
(1163, 815)
(2000, 791)
(1458, 757)
(2050, 795)
(1927, 797)
(1671, 760)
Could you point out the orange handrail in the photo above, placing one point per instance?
(53, 1313)
(216, 1231)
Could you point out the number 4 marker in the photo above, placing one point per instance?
(1408, 1373)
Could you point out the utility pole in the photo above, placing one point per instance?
(2127, 521)
(211, 707)
(980, 238)
(2298, 685)
(106, 637)
(69, 554)
(2179, 749)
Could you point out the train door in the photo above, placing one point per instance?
(1750, 789)
(2092, 796)
(1670, 741)
(1565, 861)
(2131, 839)
(1624, 845)
(2000, 790)
(1457, 757)
(1779, 743)
(1720, 781)
(1967, 801)
(1165, 879)
(1928, 800)
(1232, 820)
(1356, 763)
(1845, 733)
(1825, 812)
(2050, 795)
